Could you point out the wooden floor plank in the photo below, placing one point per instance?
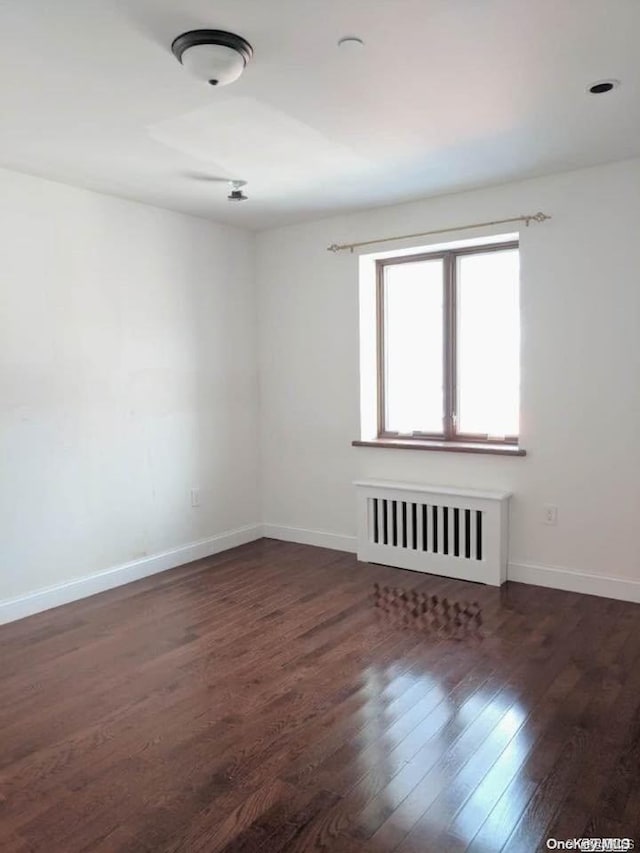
(258, 700)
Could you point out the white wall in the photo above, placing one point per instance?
(580, 372)
(128, 376)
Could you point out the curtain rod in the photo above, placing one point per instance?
(534, 217)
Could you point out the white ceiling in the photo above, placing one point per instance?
(447, 94)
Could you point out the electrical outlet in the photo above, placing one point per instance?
(195, 497)
(550, 514)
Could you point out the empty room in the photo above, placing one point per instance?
(319, 426)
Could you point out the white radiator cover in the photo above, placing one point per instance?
(458, 533)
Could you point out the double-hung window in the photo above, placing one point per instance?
(448, 345)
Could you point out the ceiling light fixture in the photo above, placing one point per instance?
(602, 86)
(214, 56)
(236, 193)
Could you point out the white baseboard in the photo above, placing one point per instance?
(53, 596)
(43, 599)
(319, 538)
(556, 578)
(548, 576)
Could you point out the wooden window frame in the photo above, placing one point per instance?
(449, 434)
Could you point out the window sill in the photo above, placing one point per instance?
(443, 446)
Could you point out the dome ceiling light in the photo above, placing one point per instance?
(214, 56)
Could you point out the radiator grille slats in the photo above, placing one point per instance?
(434, 529)
(451, 531)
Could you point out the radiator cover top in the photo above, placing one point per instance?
(458, 533)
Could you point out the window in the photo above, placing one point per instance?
(448, 342)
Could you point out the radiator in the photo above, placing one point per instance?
(458, 533)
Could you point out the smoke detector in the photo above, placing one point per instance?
(213, 56)
(349, 43)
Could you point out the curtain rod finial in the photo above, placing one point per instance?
(535, 217)
(333, 248)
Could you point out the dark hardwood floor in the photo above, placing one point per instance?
(259, 701)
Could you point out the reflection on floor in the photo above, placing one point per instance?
(433, 614)
(258, 701)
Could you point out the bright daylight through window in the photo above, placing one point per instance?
(449, 345)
